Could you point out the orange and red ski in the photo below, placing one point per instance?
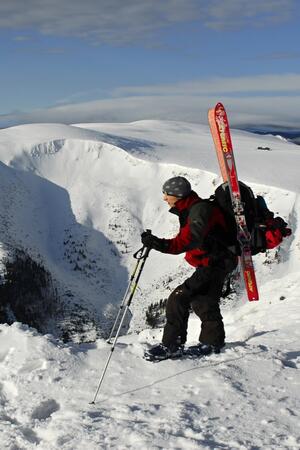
(220, 131)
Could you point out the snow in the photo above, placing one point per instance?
(101, 183)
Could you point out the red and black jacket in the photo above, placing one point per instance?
(199, 221)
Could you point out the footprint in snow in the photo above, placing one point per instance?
(291, 359)
(45, 410)
(30, 435)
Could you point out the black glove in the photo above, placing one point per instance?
(154, 242)
(286, 232)
(279, 223)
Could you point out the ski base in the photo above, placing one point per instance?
(220, 131)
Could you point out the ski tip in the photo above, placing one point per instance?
(212, 111)
(217, 106)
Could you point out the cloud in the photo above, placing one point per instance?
(131, 21)
(112, 21)
(250, 100)
(287, 83)
(22, 38)
(236, 14)
(276, 56)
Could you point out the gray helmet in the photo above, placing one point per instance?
(177, 186)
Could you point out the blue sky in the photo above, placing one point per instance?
(124, 60)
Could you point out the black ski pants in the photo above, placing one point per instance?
(201, 293)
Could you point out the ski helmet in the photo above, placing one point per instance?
(178, 186)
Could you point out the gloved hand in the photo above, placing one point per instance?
(151, 241)
(279, 223)
(286, 232)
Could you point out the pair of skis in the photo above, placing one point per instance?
(220, 131)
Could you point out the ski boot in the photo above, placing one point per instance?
(160, 352)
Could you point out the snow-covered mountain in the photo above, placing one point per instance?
(75, 199)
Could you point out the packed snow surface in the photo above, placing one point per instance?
(101, 185)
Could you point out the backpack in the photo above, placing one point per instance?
(266, 231)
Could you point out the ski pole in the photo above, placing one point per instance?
(124, 300)
(138, 258)
(141, 254)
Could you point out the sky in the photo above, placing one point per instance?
(126, 60)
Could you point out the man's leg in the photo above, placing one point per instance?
(177, 314)
(206, 289)
(212, 327)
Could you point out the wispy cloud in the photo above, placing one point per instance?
(82, 96)
(112, 21)
(22, 38)
(130, 21)
(286, 83)
(39, 50)
(277, 56)
(236, 14)
(251, 101)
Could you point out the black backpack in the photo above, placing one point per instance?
(266, 230)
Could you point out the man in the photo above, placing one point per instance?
(202, 236)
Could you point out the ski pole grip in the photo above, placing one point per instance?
(144, 251)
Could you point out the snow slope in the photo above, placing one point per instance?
(186, 144)
(245, 398)
(89, 189)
